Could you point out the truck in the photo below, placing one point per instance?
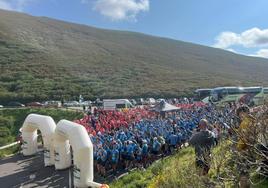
(113, 104)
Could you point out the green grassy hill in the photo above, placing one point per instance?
(42, 58)
(179, 171)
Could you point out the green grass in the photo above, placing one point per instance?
(12, 119)
(260, 182)
(160, 173)
(9, 151)
(179, 171)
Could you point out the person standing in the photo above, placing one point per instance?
(145, 153)
(114, 157)
(203, 141)
(172, 140)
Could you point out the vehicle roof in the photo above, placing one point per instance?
(239, 87)
(203, 89)
(254, 87)
(228, 87)
(115, 100)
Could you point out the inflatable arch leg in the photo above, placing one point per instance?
(62, 152)
(68, 133)
(47, 126)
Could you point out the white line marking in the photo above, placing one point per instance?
(9, 145)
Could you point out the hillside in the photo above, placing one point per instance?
(179, 170)
(42, 58)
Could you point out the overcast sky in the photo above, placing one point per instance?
(240, 26)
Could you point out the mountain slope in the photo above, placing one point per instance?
(43, 58)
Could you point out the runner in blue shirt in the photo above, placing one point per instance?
(156, 146)
(179, 139)
(145, 153)
(172, 142)
(130, 154)
(114, 157)
(103, 159)
(99, 159)
(138, 154)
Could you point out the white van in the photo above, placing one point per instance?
(113, 104)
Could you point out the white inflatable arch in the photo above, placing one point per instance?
(47, 126)
(69, 133)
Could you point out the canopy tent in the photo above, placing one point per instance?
(163, 106)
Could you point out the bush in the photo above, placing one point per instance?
(179, 171)
(12, 119)
(9, 151)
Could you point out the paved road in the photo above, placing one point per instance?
(25, 172)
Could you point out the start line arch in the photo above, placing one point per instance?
(68, 134)
(47, 127)
(57, 142)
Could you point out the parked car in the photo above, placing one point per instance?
(113, 104)
(54, 104)
(34, 104)
(159, 100)
(71, 103)
(133, 101)
(15, 104)
(150, 101)
(98, 103)
(86, 103)
(140, 101)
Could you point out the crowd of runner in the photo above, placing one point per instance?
(136, 137)
(104, 121)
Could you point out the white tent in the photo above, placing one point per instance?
(164, 107)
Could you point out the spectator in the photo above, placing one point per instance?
(216, 132)
(202, 142)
